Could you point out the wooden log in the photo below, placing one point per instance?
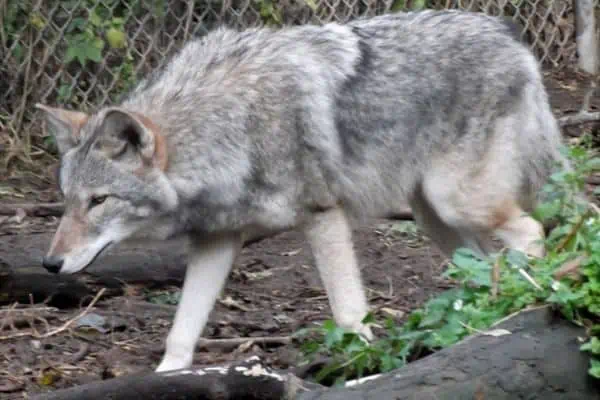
(248, 380)
(539, 359)
(21, 285)
(33, 209)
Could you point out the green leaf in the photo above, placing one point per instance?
(592, 346)
(76, 24)
(368, 319)
(117, 22)
(399, 5)
(70, 55)
(548, 210)
(594, 368)
(327, 370)
(95, 19)
(432, 318)
(389, 362)
(419, 4)
(334, 336)
(93, 53)
(517, 258)
(592, 165)
(311, 4)
(356, 345)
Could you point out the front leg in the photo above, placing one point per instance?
(330, 238)
(210, 262)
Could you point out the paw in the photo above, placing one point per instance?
(171, 363)
(365, 333)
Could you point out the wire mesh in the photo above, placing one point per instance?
(85, 53)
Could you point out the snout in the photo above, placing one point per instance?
(53, 263)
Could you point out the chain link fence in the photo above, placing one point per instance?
(85, 53)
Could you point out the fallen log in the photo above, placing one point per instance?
(33, 209)
(536, 356)
(248, 380)
(539, 359)
(21, 285)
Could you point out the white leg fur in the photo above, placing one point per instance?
(330, 239)
(209, 266)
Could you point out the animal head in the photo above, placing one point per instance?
(112, 177)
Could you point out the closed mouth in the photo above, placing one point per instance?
(97, 254)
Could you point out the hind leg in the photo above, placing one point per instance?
(448, 232)
(478, 211)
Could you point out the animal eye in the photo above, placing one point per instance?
(97, 200)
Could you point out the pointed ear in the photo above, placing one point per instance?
(125, 132)
(64, 125)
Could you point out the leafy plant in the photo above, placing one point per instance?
(470, 306)
(163, 297)
(268, 12)
(86, 37)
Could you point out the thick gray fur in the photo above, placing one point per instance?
(313, 116)
(268, 129)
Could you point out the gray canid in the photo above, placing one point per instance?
(246, 134)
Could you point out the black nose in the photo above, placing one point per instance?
(52, 263)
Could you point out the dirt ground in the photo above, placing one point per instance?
(273, 291)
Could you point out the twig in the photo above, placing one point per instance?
(31, 309)
(583, 115)
(495, 276)
(316, 298)
(67, 324)
(387, 303)
(224, 344)
(569, 268)
(7, 318)
(561, 245)
(60, 329)
(530, 279)
(231, 303)
(91, 340)
(84, 349)
(526, 309)
(390, 286)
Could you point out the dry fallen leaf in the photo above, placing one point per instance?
(392, 313)
(49, 377)
(231, 303)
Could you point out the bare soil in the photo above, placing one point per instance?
(273, 290)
